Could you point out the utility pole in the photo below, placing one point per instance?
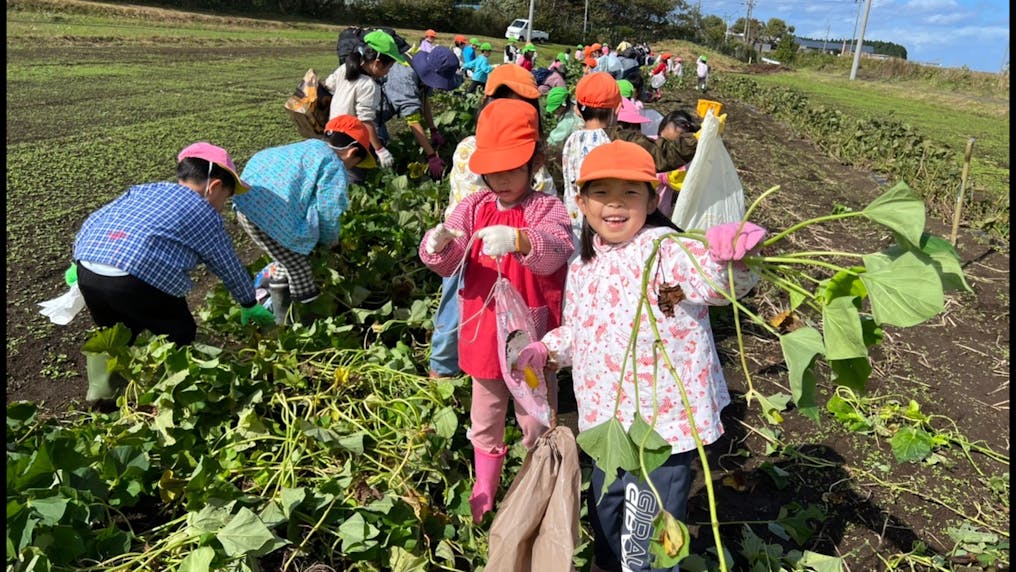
(585, 20)
(853, 39)
(529, 31)
(747, 29)
(860, 41)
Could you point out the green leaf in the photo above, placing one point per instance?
(939, 252)
(199, 560)
(911, 444)
(843, 283)
(852, 373)
(900, 210)
(446, 421)
(401, 560)
(20, 414)
(291, 498)
(841, 325)
(108, 340)
(816, 562)
(610, 447)
(905, 292)
(653, 447)
(796, 520)
(670, 541)
(847, 415)
(356, 532)
(51, 509)
(245, 534)
(780, 477)
(799, 350)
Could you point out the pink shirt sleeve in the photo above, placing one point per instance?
(549, 230)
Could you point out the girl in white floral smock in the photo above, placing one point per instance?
(604, 286)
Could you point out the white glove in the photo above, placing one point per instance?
(498, 240)
(439, 237)
(385, 158)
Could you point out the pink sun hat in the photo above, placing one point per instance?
(217, 155)
(629, 113)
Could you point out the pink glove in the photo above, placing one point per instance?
(726, 244)
(436, 139)
(532, 356)
(435, 167)
(663, 178)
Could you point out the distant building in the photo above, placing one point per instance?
(831, 47)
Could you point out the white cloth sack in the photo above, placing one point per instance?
(652, 128)
(62, 309)
(657, 80)
(712, 192)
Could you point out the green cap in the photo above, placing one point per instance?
(384, 44)
(702, 57)
(474, 41)
(511, 40)
(485, 47)
(579, 46)
(529, 48)
(626, 87)
(557, 97)
(562, 57)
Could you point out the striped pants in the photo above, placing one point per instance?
(294, 268)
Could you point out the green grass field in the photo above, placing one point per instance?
(948, 118)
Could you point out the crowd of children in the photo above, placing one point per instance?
(575, 253)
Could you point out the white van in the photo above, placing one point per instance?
(519, 30)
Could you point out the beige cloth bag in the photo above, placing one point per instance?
(536, 527)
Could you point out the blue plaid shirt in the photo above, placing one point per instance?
(158, 232)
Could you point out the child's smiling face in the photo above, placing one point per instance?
(616, 209)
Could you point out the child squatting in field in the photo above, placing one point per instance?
(298, 193)
(621, 223)
(133, 255)
(522, 235)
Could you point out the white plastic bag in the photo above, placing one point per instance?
(712, 193)
(62, 309)
(657, 80)
(516, 329)
(652, 128)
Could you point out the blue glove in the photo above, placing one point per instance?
(257, 314)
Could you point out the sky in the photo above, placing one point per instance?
(950, 33)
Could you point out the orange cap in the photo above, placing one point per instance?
(587, 51)
(618, 160)
(591, 62)
(597, 47)
(506, 135)
(517, 78)
(430, 34)
(352, 126)
(461, 38)
(598, 89)
(665, 56)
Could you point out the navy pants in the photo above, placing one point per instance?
(622, 517)
(137, 305)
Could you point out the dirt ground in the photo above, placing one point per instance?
(956, 367)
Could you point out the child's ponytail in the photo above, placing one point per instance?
(361, 56)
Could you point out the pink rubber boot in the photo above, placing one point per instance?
(488, 477)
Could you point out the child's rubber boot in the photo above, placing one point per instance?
(281, 301)
(488, 477)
